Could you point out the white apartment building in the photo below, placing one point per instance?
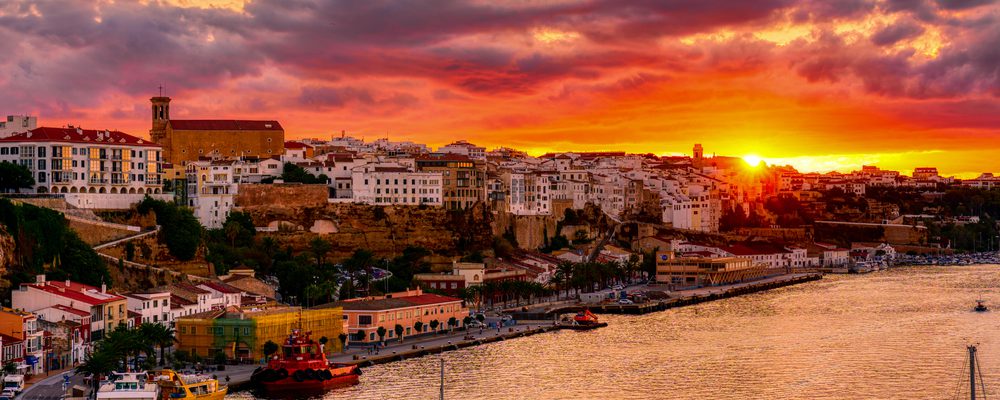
(16, 124)
(212, 188)
(394, 185)
(153, 306)
(79, 161)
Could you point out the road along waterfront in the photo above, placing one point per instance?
(893, 334)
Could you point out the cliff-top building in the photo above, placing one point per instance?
(186, 140)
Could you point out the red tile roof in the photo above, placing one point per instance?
(220, 287)
(81, 296)
(296, 145)
(428, 298)
(74, 135)
(223, 125)
(8, 339)
(71, 310)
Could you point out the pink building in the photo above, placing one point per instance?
(365, 316)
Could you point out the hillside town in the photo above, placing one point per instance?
(513, 229)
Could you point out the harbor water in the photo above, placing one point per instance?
(897, 334)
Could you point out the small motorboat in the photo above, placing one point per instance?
(981, 306)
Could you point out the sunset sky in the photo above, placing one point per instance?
(818, 84)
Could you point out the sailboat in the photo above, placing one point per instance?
(975, 371)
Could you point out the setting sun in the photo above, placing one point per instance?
(753, 160)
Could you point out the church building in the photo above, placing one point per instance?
(186, 140)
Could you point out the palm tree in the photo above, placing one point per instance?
(399, 332)
(270, 348)
(158, 335)
(557, 280)
(97, 364)
(452, 322)
(417, 326)
(319, 248)
(381, 331)
(566, 270)
(466, 321)
(434, 325)
(343, 341)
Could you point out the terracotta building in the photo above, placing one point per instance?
(188, 139)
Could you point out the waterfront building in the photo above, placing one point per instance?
(188, 140)
(107, 310)
(23, 325)
(17, 124)
(365, 316)
(689, 272)
(86, 161)
(468, 274)
(240, 333)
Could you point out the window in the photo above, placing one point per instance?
(364, 320)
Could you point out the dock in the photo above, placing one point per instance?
(683, 298)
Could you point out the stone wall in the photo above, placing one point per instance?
(291, 195)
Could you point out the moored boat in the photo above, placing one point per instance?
(301, 365)
(980, 306)
(128, 386)
(585, 317)
(189, 387)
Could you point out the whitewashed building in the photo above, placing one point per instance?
(395, 185)
(77, 162)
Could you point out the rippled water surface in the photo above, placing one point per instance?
(898, 334)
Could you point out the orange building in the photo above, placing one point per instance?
(189, 139)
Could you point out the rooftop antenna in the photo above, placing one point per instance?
(161, 89)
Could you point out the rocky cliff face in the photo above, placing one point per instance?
(7, 248)
(386, 231)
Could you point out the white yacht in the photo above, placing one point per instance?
(128, 386)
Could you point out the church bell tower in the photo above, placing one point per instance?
(161, 114)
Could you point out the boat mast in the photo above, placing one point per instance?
(972, 372)
(442, 377)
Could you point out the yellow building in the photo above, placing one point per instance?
(187, 140)
(241, 334)
(702, 271)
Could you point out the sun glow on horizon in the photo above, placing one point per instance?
(753, 160)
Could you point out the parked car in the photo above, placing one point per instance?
(625, 301)
(618, 287)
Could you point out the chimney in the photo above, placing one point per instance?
(68, 283)
(40, 279)
(104, 287)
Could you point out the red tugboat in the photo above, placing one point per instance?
(301, 365)
(585, 317)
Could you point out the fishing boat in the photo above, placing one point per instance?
(190, 387)
(980, 306)
(128, 386)
(301, 365)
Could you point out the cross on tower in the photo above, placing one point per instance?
(161, 90)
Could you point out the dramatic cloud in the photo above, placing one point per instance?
(779, 78)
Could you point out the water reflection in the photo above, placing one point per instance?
(898, 334)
